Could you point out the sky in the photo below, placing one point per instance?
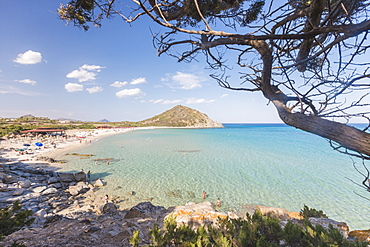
(50, 69)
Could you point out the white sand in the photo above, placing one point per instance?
(53, 147)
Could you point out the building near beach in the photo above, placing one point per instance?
(45, 131)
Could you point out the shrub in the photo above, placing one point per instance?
(307, 212)
(13, 218)
(253, 231)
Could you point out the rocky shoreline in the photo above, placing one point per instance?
(69, 211)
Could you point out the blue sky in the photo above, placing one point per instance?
(48, 69)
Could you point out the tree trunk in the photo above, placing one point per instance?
(347, 136)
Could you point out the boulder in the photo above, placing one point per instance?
(110, 208)
(361, 235)
(80, 176)
(66, 177)
(9, 179)
(24, 184)
(39, 189)
(53, 180)
(325, 222)
(273, 212)
(80, 187)
(99, 183)
(144, 210)
(197, 214)
(49, 191)
(18, 192)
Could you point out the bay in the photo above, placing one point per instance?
(242, 164)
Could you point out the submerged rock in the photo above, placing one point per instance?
(99, 183)
(174, 193)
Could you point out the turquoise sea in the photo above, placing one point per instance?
(242, 164)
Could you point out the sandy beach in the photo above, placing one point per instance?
(23, 148)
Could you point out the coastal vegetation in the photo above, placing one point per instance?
(13, 218)
(255, 230)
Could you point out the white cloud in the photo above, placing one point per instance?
(14, 90)
(156, 101)
(85, 72)
(118, 84)
(224, 95)
(129, 93)
(91, 67)
(165, 102)
(94, 89)
(73, 87)
(29, 57)
(184, 80)
(198, 101)
(138, 81)
(176, 101)
(27, 81)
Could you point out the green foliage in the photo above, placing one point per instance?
(85, 126)
(13, 218)
(135, 239)
(307, 212)
(253, 231)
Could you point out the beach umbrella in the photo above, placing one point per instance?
(39, 144)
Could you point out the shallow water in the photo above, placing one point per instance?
(271, 165)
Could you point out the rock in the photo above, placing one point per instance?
(53, 180)
(80, 176)
(144, 210)
(39, 189)
(110, 208)
(66, 177)
(24, 184)
(9, 179)
(99, 183)
(93, 229)
(53, 218)
(41, 213)
(72, 177)
(325, 222)
(360, 235)
(295, 215)
(49, 191)
(135, 213)
(18, 192)
(80, 187)
(196, 214)
(3, 187)
(280, 213)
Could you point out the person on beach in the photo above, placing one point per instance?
(106, 198)
(204, 195)
(107, 163)
(88, 176)
(218, 202)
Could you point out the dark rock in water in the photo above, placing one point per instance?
(174, 194)
(191, 194)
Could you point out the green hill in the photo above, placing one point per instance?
(181, 116)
